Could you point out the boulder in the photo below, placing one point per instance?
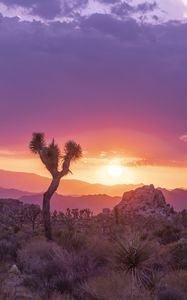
(147, 201)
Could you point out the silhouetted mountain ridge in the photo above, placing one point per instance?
(93, 196)
(38, 184)
(95, 202)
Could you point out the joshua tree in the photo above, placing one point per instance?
(116, 215)
(58, 165)
(31, 213)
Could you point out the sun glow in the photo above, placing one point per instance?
(115, 170)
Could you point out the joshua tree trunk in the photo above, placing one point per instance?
(46, 205)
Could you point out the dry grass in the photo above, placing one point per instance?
(113, 286)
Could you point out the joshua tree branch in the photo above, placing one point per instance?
(66, 166)
(44, 161)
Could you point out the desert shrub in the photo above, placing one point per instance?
(12, 289)
(38, 261)
(133, 257)
(8, 248)
(16, 228)
(184, 234)
(168, 234)
(50, 268)
(95, 288)
(57, 296)
(144, 236)
(176, 280)
(178, 255)
(101, 250)
(112, 286)
(168, 293)
(71, 240)
(33, 254)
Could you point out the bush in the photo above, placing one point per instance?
(178, 255)
(176, 280)
(168, 234)
(113, 286)
(50, 268)
(170, 294)
(38, 261)
(8, 249)
(71, 240)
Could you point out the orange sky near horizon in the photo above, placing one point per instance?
(105, 170)
(111, 156)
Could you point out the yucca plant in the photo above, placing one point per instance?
(132, 257)
(57, 164)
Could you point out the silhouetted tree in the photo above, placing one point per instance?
(53, 160)
(85, 213)
(31, 213)
(75, 213)
(116, 215)
(55, 216)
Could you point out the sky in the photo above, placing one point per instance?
(109, 74)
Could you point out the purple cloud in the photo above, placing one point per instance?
(49, 9)
(146, 7)
(123, 9)
(62, 78)
(126, 8)
(73, 8)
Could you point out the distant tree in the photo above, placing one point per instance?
(116, 215)
(53, 160)
(69, 219)
(17, 217)
(85, 213)
(55, 216)
(31, 213)
(88, 213)
(75, 213)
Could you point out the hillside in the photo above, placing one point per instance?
(60, 203)
(12, 193)
(177, 198)
(37, 184)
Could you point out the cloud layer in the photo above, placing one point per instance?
(93, 75)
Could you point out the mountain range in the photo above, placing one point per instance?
(37, 184)
(76, 194)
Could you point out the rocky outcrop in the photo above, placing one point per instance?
(146, 201)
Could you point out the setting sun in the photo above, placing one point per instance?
(115, 170)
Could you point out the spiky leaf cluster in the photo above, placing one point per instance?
(37, 143)
(132, 257)
(72, 150)
(52, 154)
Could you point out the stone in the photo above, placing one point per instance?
(14, 270)
(147, 201)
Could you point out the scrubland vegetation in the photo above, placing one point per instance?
(104, 257)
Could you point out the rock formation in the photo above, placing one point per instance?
(146, 201)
